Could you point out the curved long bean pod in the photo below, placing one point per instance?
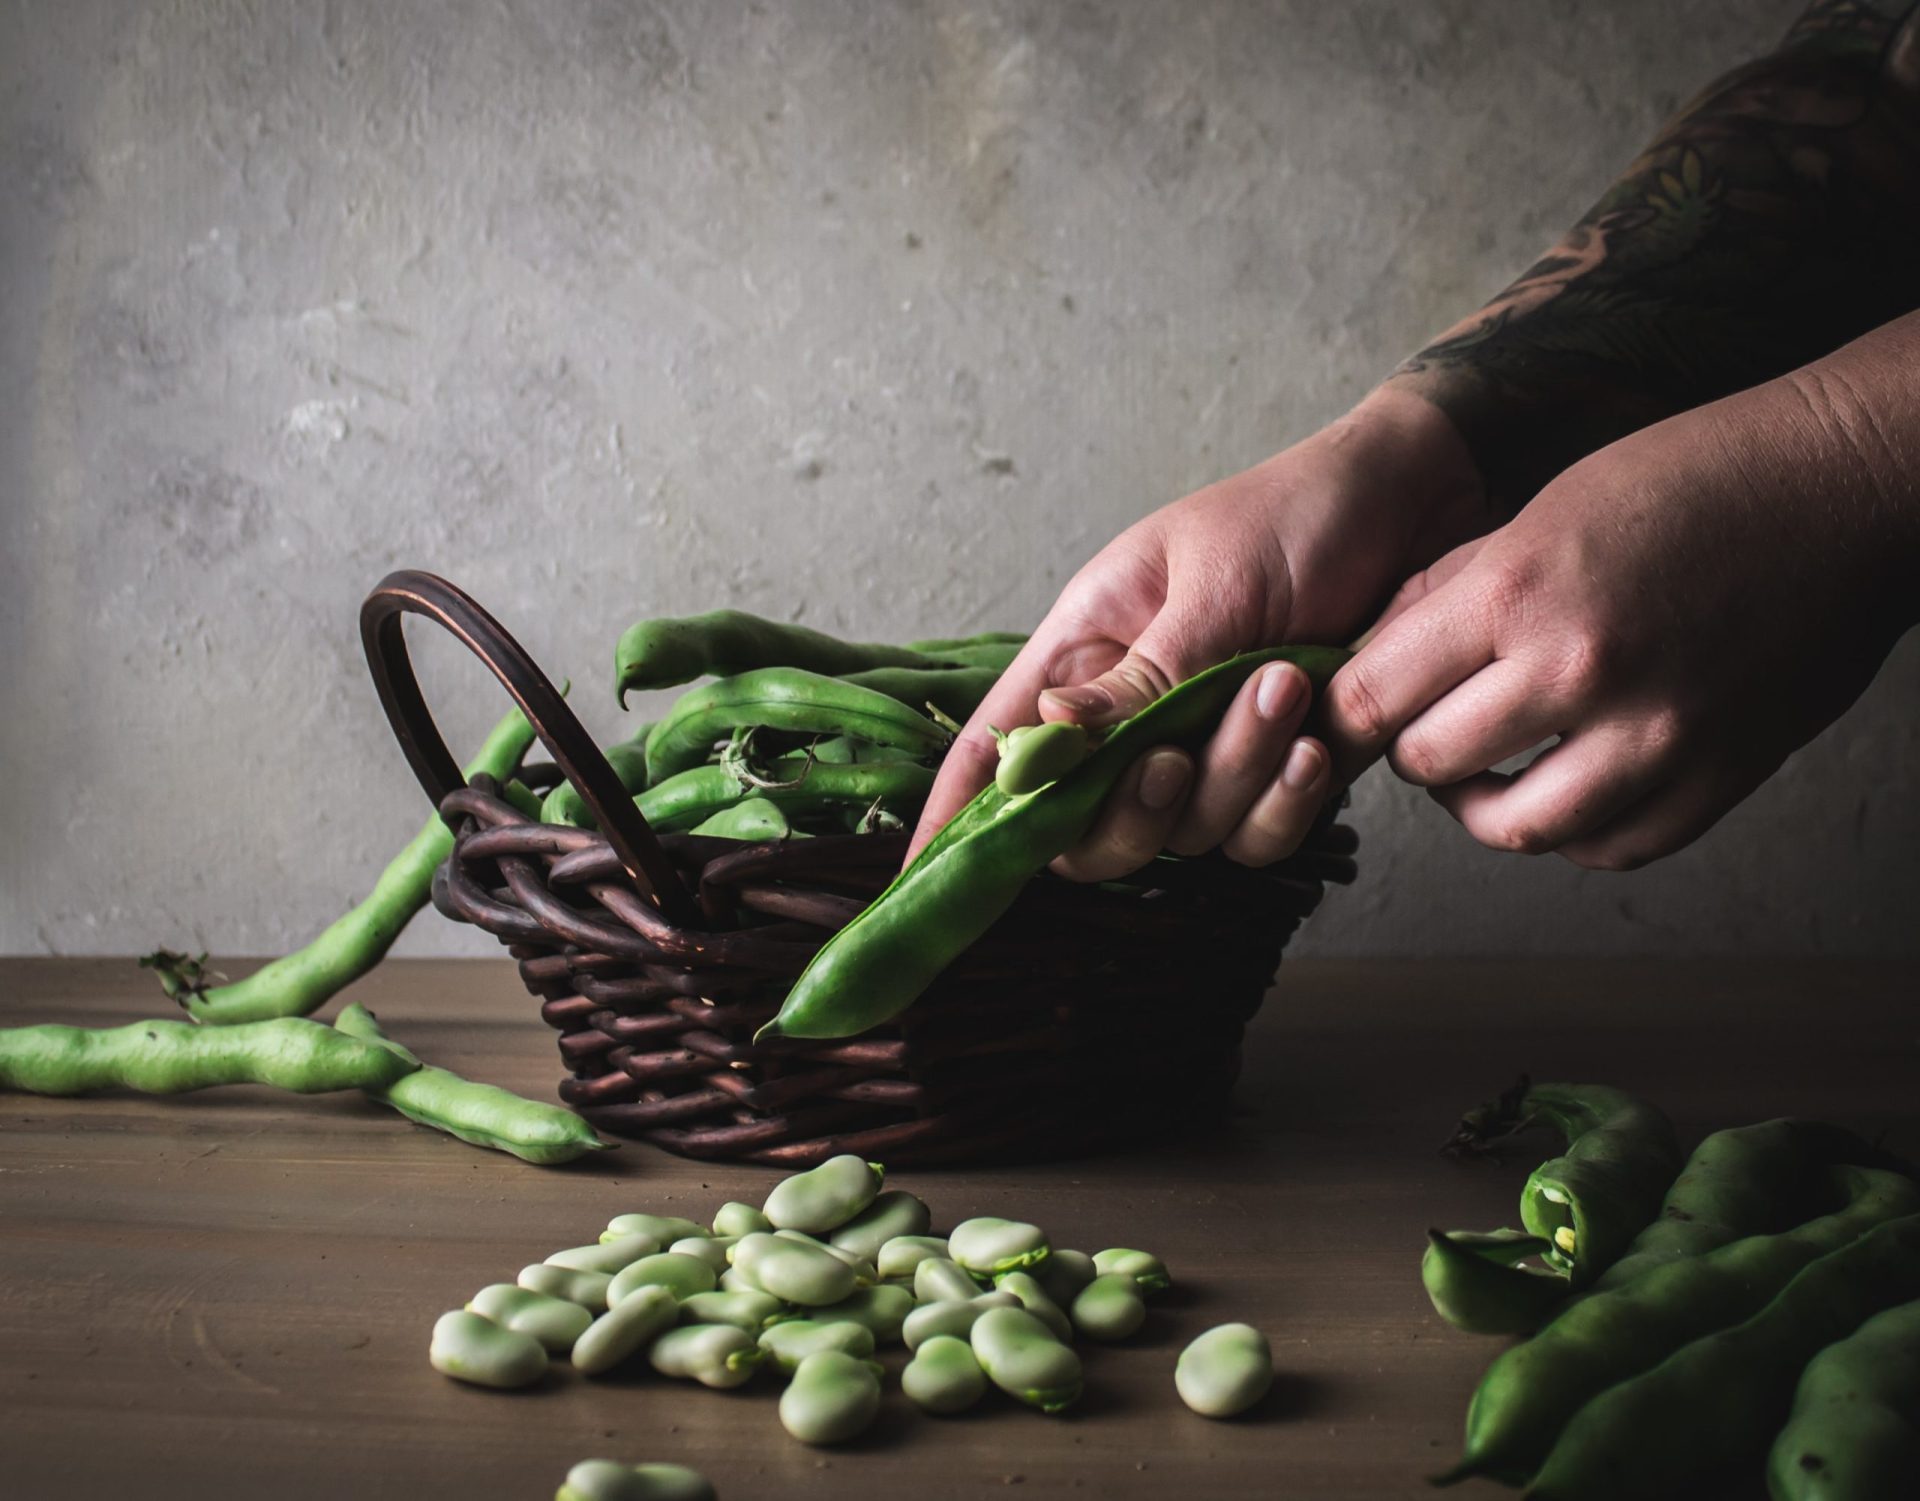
(1590, 1203)
(629, 762)
(1854, 1433)
(171, 1057)
(974, 868)
(955, 691)
(784, 698)
(483, 1114)
(693, 796)
(302, 982)
(666, 652)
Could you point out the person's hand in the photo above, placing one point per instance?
(1682, 610)
(1302, 548)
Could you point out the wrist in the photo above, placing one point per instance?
(1411, 473)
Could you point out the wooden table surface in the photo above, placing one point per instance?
(229, 1294)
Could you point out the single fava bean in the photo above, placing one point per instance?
(710, 1249)
(1225, 1371)
(1033, 1298)
(751, 1311)
(624, 1330)
(603, 1480)
(734, 1219)
(901, 1255)
(1022, 1358)
(1143, 1266)
(665, 1228)
(862, 1268)
(606, 1257)
(1032, 755)
(555, 1322)
(715, 1355)
(826, 1197)
(882, 1309)
(790, 1342)
(940, 1281)
(1109, 1307)
(588, 1289)
(833, 1397)
(1064, 1273)
(476, 1350)
(794, 1271)
(987, 1246)
(893, 1214)
(943, 1376)
(955, 1317)
(685, 1275)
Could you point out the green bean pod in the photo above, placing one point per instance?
(1143, 1266)
(1022, 1358)
(1854, 1432)
(954, 1316)
(792, 1340)
(972, 871)
(171, 1057)
(300, 983)
(476, 1350)
(564, 805)
(555, 1321)
(1225, 1371)
(603, 1480)
(1109, 1308)
(787, 699)
(954, 691)
(751, 1311)
(1532, 1391)
(753, 818)
(892, 1215)
(1475, 1282)
(1591, 1202)
(900, 1256)
(987, 1246)
(685, 1275)
(665, 1228)
(716, 1355)
(832, 1397)
(666, 652)
(692, 797)
(734, 1219)
(824, 1198)
(481, 1114)
(1719, 1401)
(955, 648)
(944, 1377)
(624, 1330)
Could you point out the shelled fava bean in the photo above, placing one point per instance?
(832, 1268)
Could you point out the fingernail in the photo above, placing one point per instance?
(1278, 690)
(1081, 700)
(1164, 779)
(1303, 765)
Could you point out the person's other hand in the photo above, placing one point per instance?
(1677, 613)
(1302, 548)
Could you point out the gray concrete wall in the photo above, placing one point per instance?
(878, 316)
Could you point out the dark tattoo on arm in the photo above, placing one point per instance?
(1775, 218)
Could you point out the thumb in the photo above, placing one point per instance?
(1166, 654)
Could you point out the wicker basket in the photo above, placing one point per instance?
(1088, 1016)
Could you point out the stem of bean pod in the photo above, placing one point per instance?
(301, 982)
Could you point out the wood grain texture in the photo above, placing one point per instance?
(229, 1294)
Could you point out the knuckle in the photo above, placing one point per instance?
(1354, 701)
(1510, 583)
(1517, 836)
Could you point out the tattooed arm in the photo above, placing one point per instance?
(1775, 218)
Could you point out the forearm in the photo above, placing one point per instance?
(1776, 217)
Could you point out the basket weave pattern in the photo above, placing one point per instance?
(1089, 1015)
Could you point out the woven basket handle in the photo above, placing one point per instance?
(409, 591)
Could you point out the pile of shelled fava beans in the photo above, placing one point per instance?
(808, 1288)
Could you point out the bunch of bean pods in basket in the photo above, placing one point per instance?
(817, 1287)
(1690, 1325)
